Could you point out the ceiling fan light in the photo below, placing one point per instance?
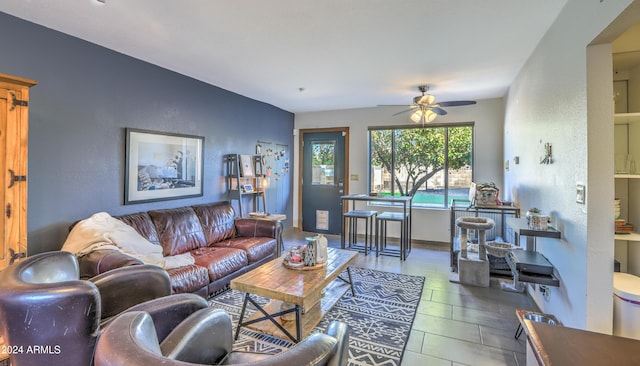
(430, 115)
(416, 116)
(430, 99)
(424, 99)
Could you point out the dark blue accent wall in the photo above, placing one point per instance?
(85, 98)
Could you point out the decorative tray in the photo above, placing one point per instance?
(303, 267)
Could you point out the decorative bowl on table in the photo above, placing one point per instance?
(293, 265)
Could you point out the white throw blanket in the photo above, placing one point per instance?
(102, 231)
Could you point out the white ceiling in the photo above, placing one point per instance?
(344, 53)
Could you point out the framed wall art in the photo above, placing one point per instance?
(162, 166)
(246, 165)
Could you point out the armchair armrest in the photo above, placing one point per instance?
(203, 338)
(249, 227)
(103, 260)
(330, 349)
(124, 287)
(317, 349)
(339, 331)
(169, 311)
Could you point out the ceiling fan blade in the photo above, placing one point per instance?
(405, 111)
(439, 111)
(456, 103)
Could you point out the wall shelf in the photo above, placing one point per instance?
(628, 237)
(627, 188)
(626, 118)
(521, 228)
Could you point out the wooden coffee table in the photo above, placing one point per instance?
(311, 293)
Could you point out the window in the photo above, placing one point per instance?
(432, 163)
(323, 160)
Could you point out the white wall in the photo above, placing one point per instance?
(559, 98)
(563, 95)
(428, 224)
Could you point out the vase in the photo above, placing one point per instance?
(321, 248)
(310, 253)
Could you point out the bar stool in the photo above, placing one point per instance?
(352, 218)
(381, 234)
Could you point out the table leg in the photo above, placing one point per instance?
(518, 331)
(349, 281)
(342, 228)
(271, 318)
(244, 308)
(298, 324)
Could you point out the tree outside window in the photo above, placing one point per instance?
(434, 164)
(323, 161)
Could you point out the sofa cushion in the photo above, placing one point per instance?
(178, 229)
(143, 225)
(220, 261)
(103, 260)
(217, 220)
(188, 279)
(257, 248)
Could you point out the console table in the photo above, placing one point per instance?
(558, 345)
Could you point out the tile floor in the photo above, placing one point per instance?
(455, 324)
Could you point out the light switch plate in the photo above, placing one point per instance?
(580, 193)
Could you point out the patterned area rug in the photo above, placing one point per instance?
(379, 316)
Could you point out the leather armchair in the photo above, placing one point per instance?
(49, 316)
(205, 338)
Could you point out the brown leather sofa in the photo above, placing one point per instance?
(223, 246)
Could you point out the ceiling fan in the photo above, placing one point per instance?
(425, 110)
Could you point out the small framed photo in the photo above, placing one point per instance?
(246, 166)
(246, 188)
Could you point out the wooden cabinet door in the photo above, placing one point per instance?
(14, 96)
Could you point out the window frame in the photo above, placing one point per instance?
(446, 126)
